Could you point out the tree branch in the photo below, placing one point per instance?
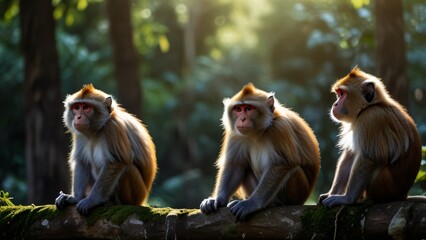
(393, 220)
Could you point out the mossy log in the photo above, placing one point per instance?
(397, 220)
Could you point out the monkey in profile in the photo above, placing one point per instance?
(113, 157)
(380, 144)
(269, 155)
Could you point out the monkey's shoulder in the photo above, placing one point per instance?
(130, 137)
(383, 118)
(288, 121)
(122, 118)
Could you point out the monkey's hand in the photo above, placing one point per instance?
(322, 197)
(335, 200)
(64, 200)
(84, 205)
(209, 205)
(243, 208)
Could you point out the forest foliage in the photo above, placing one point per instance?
(296, 49)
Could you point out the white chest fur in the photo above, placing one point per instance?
(261, 156)
(96, 155)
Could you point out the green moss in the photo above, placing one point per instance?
(5, 200)
(117, 214)
(319, 222)
(229, 231)
(15, 220)
(185, 212)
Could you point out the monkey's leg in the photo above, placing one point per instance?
(341, 177)
(385, 187)
(249, 184)
(103, 188)
(229, 180)
(81, 178)
(361, 175)
(272, 181)
(297, 189)
(133, 190)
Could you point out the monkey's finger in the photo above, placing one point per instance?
(239, 215)
(330, 202)
(83, 210)
(61, 201)
(207, 206)
(322, 197)
(212, 205)
(236, 210)
(203, 207)
(217, 205)
(233, 203)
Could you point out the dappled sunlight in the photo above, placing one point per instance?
(187, 56)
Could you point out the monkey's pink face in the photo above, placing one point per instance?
(339, 111)
(83, 112)
(245, 115)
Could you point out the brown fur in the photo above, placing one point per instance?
(116, 152)
(381, 149)
(275, 163)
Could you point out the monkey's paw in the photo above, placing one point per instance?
(209, 205)
(335, 200)
(322, 197)
(243, 208)
(84, 206)
(64, 200)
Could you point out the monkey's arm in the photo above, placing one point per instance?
(81, 178)
(103, 187)
(343, 170)
(360, 176)
(229, 180)
(272, 181)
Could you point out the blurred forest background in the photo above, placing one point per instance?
(171, 62)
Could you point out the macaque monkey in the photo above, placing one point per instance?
(381, 149)
(113, 157)
(269, 155)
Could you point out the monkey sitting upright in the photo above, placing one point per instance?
(380, 144)
(269, 155)
(112, 153)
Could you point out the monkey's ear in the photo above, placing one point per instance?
(270, 103)
(368, 91)
(108, 103)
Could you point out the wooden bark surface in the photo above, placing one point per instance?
(45, 145)
(397, 220)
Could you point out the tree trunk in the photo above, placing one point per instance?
(396, 220)
(125, 56)
(190, 35)
(390, 48)
(45, 150)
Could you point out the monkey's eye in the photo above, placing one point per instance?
(340, 93)
(86, 107)
(243, 107)
(75, 106)
(238, 108)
